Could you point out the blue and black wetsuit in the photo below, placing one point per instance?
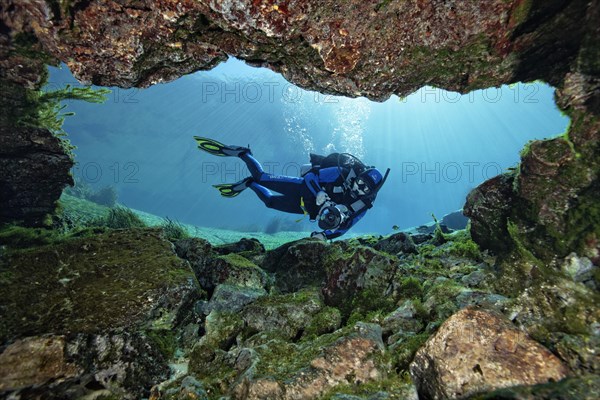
(298, 195)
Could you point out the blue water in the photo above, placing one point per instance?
(439, 145)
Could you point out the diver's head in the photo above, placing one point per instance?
(366, 183)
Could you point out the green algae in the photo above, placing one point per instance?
(237, 260)
(14, 236)
(369, 305)
(87, 284)
(394, 386)
(403, 352)
(411, 288)
(165, 341)
(279, 359)
(325, 321)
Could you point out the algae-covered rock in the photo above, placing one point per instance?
(221, 330)
(111, 302)
(351, 359)
(119, 279)
(580, 352)
(402, 320)
(488, 207)
(231, 269)
(230, 298)
(397, 243)
(215, 266)
(244, 247)
(287, 315)
(363, 275)
(122, 365)
(298, 264)
(475, 351)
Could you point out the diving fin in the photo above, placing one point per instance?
(233, 189)
(219, 149)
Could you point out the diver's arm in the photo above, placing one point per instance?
(349, 223)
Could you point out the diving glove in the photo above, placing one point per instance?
(318, 235)
(322, 197)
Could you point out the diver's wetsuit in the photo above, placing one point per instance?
(299, 192)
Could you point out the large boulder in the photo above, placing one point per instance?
(488, 207)
(475, 351)
(298, 264)
(95, 314)
(34, 170)
(222, 265)
(361, 277)
(288, 316)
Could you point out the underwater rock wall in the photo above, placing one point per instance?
(352, 48)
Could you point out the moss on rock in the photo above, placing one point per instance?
(90, 284)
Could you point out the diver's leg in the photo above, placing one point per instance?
(287, 185)
(289, 204)
(253, 165)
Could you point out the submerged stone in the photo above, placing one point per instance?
(287, 315)
(352, 359)
(101, 310)
(298, 264)
(475, 351)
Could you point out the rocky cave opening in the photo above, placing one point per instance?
(137, 148)
(508, 308)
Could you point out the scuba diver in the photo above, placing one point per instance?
(336, 190)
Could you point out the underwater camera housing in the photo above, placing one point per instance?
(332, 216)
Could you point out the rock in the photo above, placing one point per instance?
(34, 361)
(364, 272)
(558, 306)
(402, 320)
(34, 169)
(488, 207)
(221, 330)
(474, 351)
(580, 352)
(297, 265)
(478, 299)
(397, 243)
(231, 269)
(476, 278)
(115, 280)
(188, 389)
(420, 238)
(455, 220)
(247, 247)
(286, 315)
(102, 311)
(582, 270)
(195, 250)
(325, 46)
(54, 367)
(231, 298)
(351, 359)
